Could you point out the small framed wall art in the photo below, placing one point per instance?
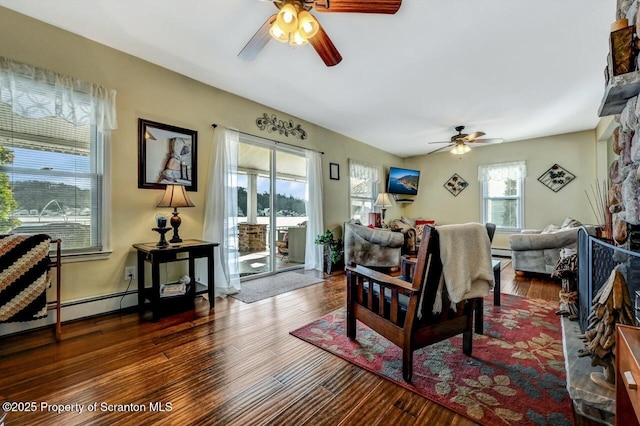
(455, 185)
(334, 171)
(556, 178)
(166, 154)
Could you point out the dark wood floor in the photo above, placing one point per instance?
(235, 366)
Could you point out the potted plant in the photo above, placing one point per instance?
(333, 251)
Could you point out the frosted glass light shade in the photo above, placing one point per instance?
(278, 34)
(460, 149)
(307, 25)
(287, 18)
(297, 39)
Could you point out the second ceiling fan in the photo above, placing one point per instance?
(294, 24)
(459, 142)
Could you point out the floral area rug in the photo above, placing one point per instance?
(515, 376)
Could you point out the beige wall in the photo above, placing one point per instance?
(148, 91)
(576, 152)
(151, 92)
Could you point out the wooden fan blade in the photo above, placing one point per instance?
(473, 136)
(496, 140)
(258, 41)
(325, 47)
(441, 149)
(449, 142)
(388, 7)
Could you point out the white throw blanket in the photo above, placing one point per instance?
(465, 252)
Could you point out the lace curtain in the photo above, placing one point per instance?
(364, 171)
(515, 170)
(37, 93)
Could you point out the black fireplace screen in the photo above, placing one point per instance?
(596, 259)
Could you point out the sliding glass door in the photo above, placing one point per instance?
(271, 207)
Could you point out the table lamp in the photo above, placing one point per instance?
(383, 201)
(175, 196)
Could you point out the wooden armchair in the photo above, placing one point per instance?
(404, 314)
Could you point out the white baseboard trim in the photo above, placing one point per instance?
(501, 252)
(74, 310)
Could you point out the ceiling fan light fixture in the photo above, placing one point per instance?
(307, 25)
(287, 18)
(297, 39)
(278, 34)
(460, 149)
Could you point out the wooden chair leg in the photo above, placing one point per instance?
(467, 342)
(407, 365)
(351, 325)
(479, 310)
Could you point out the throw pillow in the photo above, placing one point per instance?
(420, 224)
(410, 221)
(570, 223)
(550, 229)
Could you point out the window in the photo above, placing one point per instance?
(363, 189)
(52, 156)
(502, 194)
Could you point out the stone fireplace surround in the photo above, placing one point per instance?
(596, 259)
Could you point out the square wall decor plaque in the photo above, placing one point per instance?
(556, 178)
(455, 185)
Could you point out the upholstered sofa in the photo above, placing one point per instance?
(539, 250)
(372, 247)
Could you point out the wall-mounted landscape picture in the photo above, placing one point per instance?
(403, 181)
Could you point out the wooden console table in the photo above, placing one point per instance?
(188, 250)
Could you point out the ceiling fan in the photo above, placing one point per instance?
(294, 24)
(460, 141)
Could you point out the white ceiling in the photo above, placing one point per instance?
(514, 69)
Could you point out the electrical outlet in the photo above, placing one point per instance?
(129, 273)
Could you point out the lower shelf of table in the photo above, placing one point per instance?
(172, 304)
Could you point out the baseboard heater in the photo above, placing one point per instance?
(501, 252)
(77, 309)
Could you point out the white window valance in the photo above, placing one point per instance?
(37, 93)
(364, 171)
(515, 170)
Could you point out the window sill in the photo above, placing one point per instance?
(508, 230)
(86, 257)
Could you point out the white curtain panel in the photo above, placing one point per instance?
(37, 93)
(220, 212)
(313, 258)
(514, 170)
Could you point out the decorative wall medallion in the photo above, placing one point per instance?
(556, 178)
(272, 124)
(455, 184)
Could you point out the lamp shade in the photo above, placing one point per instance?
(384, 200)
(288, 18)
(297, 39)
(460, 149)
(175, 196)
(278, 33)
(307, 25)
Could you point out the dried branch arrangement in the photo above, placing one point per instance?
(599, 202)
